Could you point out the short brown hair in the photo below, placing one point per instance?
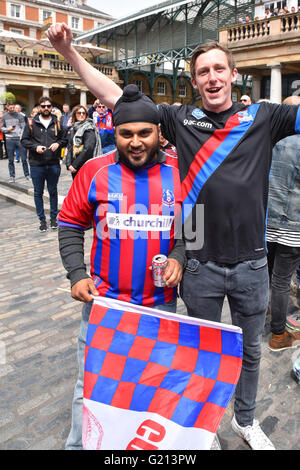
(45, 98)
(209, 46)
(74, 111)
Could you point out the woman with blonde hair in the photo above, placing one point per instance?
(34, 111)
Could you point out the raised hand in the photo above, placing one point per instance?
(60, 36)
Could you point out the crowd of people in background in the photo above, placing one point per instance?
(89, 131)
(49, 136)
(97, 122)
(269, 14)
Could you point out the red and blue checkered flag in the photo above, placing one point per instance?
(155, 380)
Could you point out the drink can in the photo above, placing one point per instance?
(159, 264)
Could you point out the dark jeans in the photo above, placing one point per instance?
(50, 174)
(13, 145)
(246, 285)
(283, 261)
(2, 149)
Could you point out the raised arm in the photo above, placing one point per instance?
(60, 36)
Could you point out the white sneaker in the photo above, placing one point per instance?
(216, 444)
(253, 435)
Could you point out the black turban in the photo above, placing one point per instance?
(134, 106)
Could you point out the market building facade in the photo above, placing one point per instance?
(29, 66)
(152, 47)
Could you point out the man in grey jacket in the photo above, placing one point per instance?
(283, 234)
(12, 125)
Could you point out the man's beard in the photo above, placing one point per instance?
(45, 114)
(151, 157)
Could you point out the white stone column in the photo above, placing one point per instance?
(66, 97)
(46, 91)
(256, 88)
(31, 102)
(275, 85)
(2, 95)
(83, 97)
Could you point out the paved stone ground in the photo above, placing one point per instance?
(39, 324)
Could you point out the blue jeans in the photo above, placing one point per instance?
(17, 155)
(74, 441)
(246, 285)
(50, 174)
(12, 146)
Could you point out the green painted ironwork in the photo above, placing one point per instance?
(164, 35)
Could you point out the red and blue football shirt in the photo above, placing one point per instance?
(133, 215)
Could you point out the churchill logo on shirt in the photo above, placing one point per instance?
(143, 222)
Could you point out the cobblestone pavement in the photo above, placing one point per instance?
(39, 324)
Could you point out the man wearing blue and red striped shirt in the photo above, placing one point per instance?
(132, 197)
(103, 119)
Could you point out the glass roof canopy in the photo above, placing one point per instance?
(166, 32)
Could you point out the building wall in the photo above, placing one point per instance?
(140, 77)
(61, 18)
(158, 96)
(189, 97)
(167, 96)
(3, 7)
(28, 83)
(88, 24)
(34, 15)
(31, 13)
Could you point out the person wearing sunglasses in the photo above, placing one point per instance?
(103, 118)
(83, 142)
(246, 100)
(44, 138)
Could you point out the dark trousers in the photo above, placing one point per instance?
(2, 149)
(283, 262)
(246, 285)
(13, 145)
(40, 175)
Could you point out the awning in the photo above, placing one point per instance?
(26, 42)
